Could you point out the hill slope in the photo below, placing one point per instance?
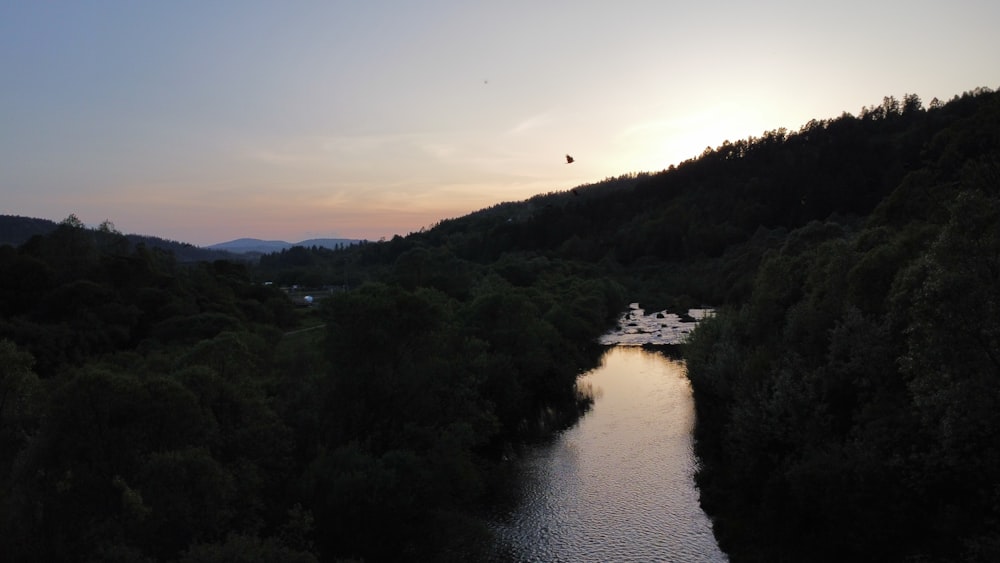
(16, 230)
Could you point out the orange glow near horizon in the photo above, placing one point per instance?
(203, 130)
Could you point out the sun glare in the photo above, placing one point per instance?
(656, 144)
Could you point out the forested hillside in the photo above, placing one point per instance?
(158, 411)
(16, 230)
(849, 405)
(152, 410)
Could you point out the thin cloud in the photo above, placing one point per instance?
(532, 123)
(682, 122)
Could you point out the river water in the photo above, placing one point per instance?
(617, 486)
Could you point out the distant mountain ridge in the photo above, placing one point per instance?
(253, 245)
(15, 230)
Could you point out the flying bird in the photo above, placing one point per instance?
(569, 159)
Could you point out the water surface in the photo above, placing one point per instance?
(617, 486)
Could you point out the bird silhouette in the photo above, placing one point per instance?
(569, 159)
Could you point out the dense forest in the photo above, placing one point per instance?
(153, 409)
(849, 405)
(158, 411)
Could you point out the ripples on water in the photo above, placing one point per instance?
(619, 485)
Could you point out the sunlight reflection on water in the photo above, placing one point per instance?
(617, 486)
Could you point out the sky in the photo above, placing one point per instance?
(204, 121)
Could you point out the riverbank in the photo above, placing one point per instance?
(661, 328)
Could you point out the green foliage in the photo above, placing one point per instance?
(847, 411)
(424, 381)
(22, 398)
(245, 549)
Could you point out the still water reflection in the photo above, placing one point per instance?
(617, 486)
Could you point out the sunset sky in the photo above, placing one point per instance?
(205, 121)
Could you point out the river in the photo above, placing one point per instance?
(618, 485)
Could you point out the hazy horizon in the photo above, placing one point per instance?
(206, 122)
